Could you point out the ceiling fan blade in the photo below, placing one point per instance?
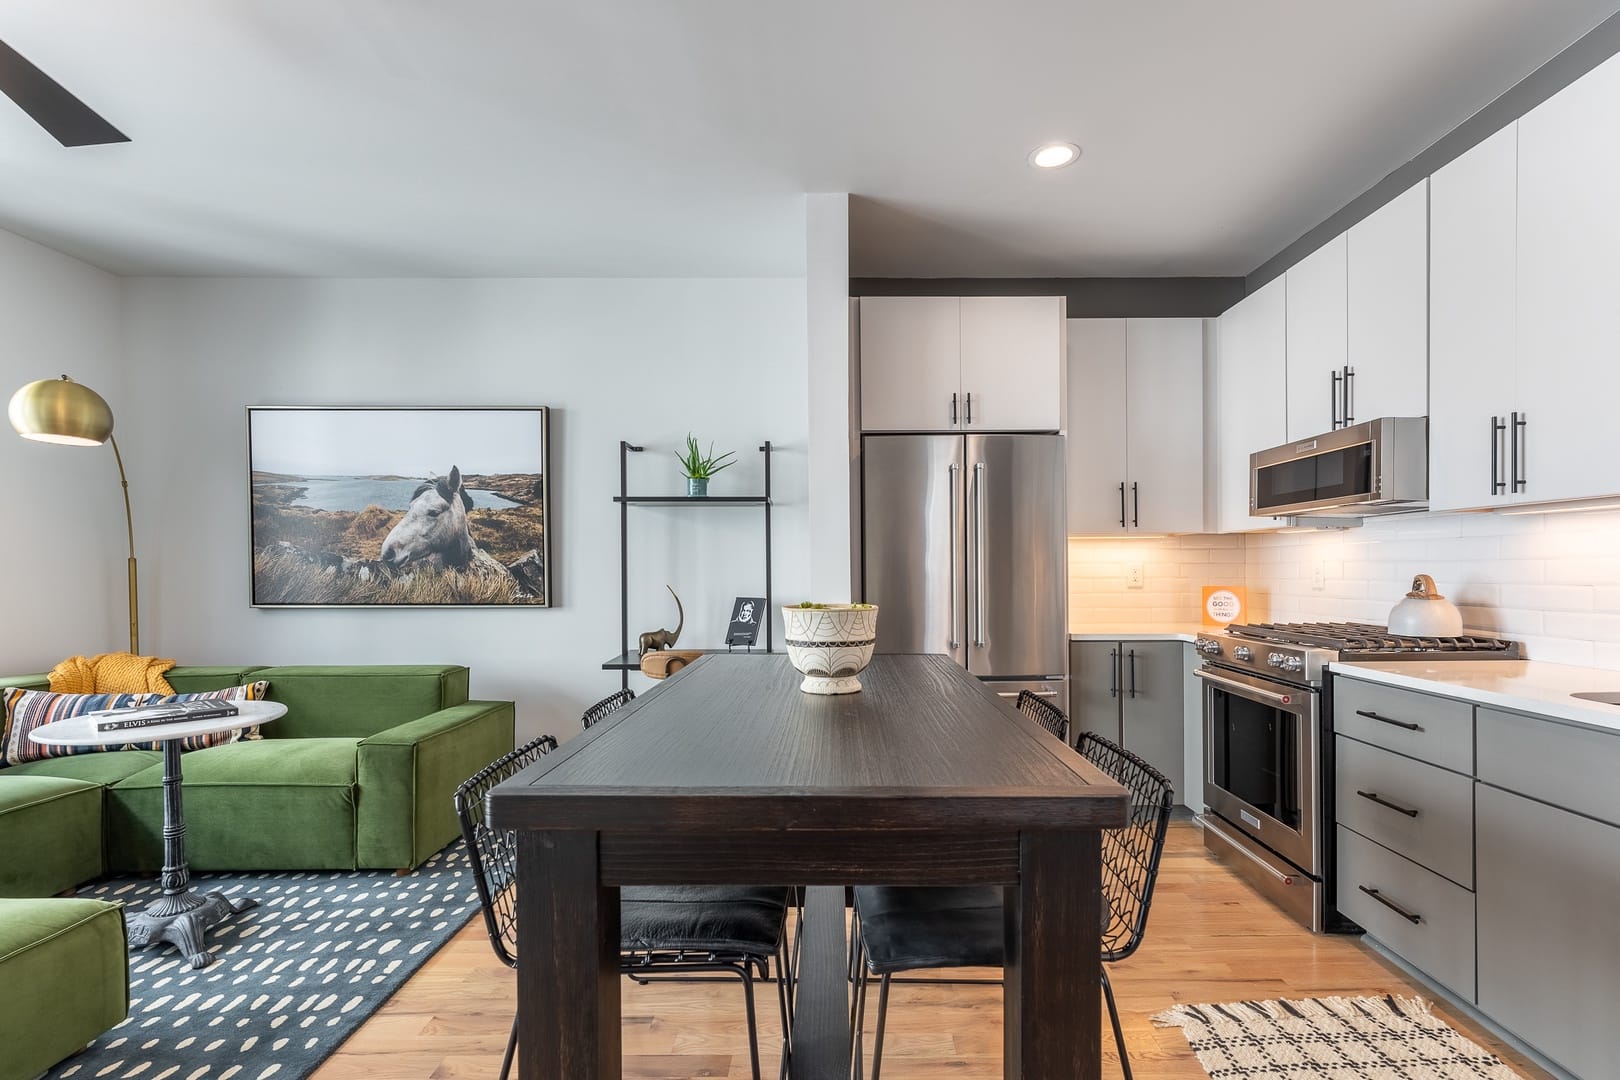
(69, 120)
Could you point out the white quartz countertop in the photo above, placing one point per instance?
(1521, 685)
(1146, 632)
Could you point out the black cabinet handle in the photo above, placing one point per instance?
(1372, 796)
(1410, 917)
(1133, 672)
(1349, 395)
(1335, 402)
(953, 410)
(968, 417)
(1122, 504)
(1386, 720)
(1519, 478)
(1497, 427)
(1136, 507)
(1113, 673)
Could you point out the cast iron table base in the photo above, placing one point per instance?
(181, 916)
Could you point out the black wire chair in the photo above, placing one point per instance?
(1043, 712)
(607, 706)
(665, 931)
(907, 929)
(492, 855)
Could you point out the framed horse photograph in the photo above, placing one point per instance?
(399, 507)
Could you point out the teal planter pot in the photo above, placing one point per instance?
(697, 488)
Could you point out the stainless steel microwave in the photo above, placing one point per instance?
(1380, 467)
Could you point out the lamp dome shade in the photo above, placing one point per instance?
(61, 411)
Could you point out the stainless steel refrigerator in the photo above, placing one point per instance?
(964, 548)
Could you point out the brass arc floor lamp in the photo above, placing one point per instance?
(63, 411)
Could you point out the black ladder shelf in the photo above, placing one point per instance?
(628, 660)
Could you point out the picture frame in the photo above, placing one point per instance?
(748, 614)
(399, 506)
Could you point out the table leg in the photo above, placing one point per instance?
(568, 967)
(181, 916)
(1052, 1003)
(821, 1031)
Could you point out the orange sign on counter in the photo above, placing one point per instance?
(1224, 604)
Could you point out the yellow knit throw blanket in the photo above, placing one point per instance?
(111, 673)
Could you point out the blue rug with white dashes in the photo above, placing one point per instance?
(291, 979)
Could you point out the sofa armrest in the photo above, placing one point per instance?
(25, 682)
(408, 775)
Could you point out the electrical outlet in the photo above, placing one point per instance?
(1319, 576)
(1133, 576)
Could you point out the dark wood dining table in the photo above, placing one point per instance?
(727, 773)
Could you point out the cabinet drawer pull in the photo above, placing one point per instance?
(1369, 714)
(1372, 796)
(1392, 905)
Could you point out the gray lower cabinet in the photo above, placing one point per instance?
(1131, 692)
(1549, 947)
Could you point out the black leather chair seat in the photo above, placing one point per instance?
(739, 920)
(910, 927)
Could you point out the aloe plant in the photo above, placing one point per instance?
(696, 465)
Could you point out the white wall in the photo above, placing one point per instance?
(834, 438)
(642, 360)
(63, 537)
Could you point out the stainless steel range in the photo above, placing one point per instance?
(1268, 748)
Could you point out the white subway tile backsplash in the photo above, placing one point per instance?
(1551, 580)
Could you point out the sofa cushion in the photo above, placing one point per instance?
(353, 702)
(50, 834)
(64, 979)
(192, 680)
(105, 769)
(29, 710)
(273, 804)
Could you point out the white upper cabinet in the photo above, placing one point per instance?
(1136, 429)
(911, 363)
(1358, 321)
(948, 363)
(1164, 392)
(1012, 363)
(1473, 303)
(1568, 280)
(1317, 341)
(1097, 427)
(1250, 398)
(1388, 310)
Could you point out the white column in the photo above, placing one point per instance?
(834, 438)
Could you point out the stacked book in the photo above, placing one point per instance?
(168, 712)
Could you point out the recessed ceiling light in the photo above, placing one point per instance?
(1054, 155)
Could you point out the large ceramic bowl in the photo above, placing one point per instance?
(830, 644)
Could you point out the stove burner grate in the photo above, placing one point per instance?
(1358, 639)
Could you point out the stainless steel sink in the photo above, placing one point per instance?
(1607, 698)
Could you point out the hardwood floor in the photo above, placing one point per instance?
(1210, 938)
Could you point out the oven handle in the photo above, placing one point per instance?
(1286, 879)
(1284, 701)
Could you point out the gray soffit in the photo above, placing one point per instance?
(1088, 298)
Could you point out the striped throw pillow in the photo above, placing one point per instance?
(29, 710)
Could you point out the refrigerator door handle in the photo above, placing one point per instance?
(978, 544)
(956, 492)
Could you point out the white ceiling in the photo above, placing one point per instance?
(674, 137)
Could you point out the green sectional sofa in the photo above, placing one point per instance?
(64, 979)
(358, 774)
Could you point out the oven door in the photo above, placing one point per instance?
(1260, 761)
